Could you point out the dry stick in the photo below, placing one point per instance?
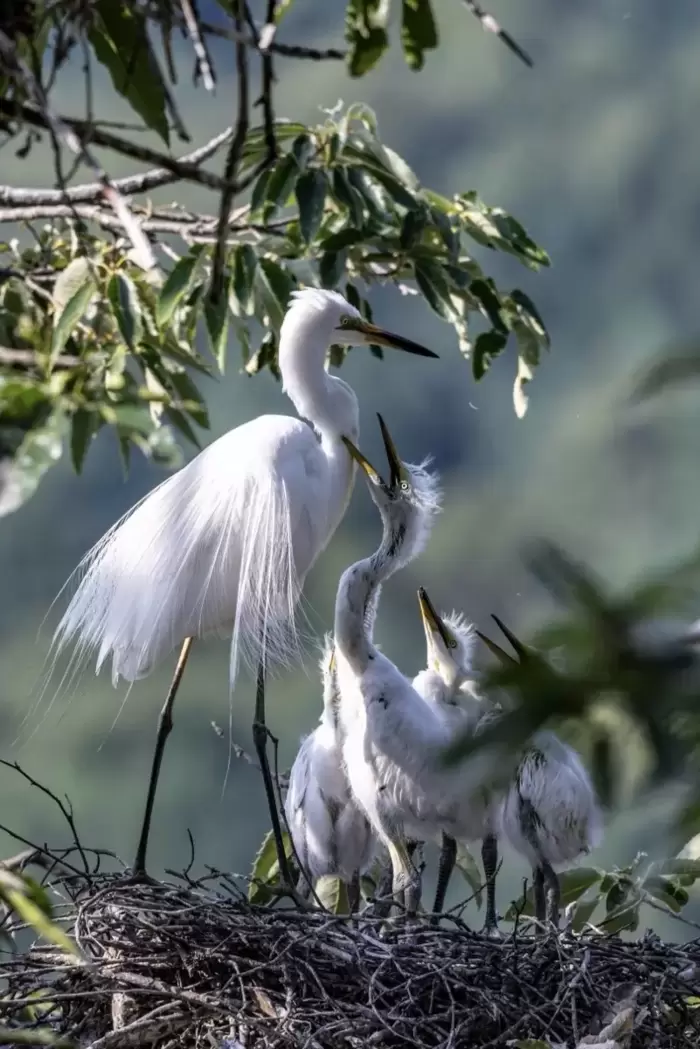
(204, 63)
(489, 23)
(216, 289)
(183, 170)
(284, 50)
(62, 132)
(90, 192)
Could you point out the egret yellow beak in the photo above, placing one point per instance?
(432, 622)
(382, 337)
(331, 662)
(361, 460)
(396, 470)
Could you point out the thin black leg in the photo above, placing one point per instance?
(538, 893)
(260, 734)
(489, 858)
(354, 894)
(553, 894)
(165, 725)
(448, 857)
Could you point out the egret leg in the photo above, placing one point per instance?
(165, 725)
(354, 894)
(551, 881)
(538, 893)
(406, 887)
(260, 734)
(383, 891)
(448, 856)
(489, 858)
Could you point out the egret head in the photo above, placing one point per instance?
(331, 318)
(450, 643)
(408, 499)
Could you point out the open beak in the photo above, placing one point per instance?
(381, 337)
(361, 460)
(500, 653)
(395, 464)
(431, 620)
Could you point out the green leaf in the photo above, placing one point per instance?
(36, 1036)
(244, 262)
(622, 919)
(331, 268)
(333, 894)
(365, 33)
(681, 868)
(69, 317)
(119, 38)
(40, 449)
(485, 292)
(468, 868)
(83, 426)
(127, 309)
(418, 31)
(344, 238)
(280, 185)
(346, 195)
(302, 150)
(273, 286)
(17, 897)
(257, 197)
(181, 423)
(583, 911)
(266, 868)
(674, 896)
(573, 883)
(179, 283)
(487, 347)
(434, 287)
(71, 279)
(311, 197)
(216, 318)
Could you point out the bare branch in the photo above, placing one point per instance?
(232, 158)
(10, 357)
(489, 23)
(62, 132)
(204, 63)
(90, 192)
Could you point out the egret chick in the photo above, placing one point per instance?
(408, 503)
(449, 685)
(551, 815)
(224, 545)
(331, 835)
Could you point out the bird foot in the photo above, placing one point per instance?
(492, 932)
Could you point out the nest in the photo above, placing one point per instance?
(194, 964)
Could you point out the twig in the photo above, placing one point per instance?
(204, 64)
(489, 23)
(218, 257)
(62, 132)
(90, 192)
(284, 50)
(30, 358)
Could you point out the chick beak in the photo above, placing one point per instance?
(431, 620)
(395, 464)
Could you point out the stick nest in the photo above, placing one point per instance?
(193, 964)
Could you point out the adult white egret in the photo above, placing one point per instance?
(408, 503)
(225, 544)
(331, 834)
(550, 815)
(449, 685)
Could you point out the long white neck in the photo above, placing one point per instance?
(358, 592)
(325, 401)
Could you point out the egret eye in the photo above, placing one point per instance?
(404, 486)
(345, 320)
(452, 643)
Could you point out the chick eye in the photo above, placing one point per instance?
(404, 486)
(453, 643)
(345, 320)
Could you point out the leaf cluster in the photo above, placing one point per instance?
(88, 339)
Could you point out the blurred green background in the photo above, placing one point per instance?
(593, 151)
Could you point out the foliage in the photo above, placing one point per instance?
(88, 338)
(22, 896)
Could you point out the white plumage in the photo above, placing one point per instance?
(331, 835)
(448, 684)
(550, 815)
(225, 544)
